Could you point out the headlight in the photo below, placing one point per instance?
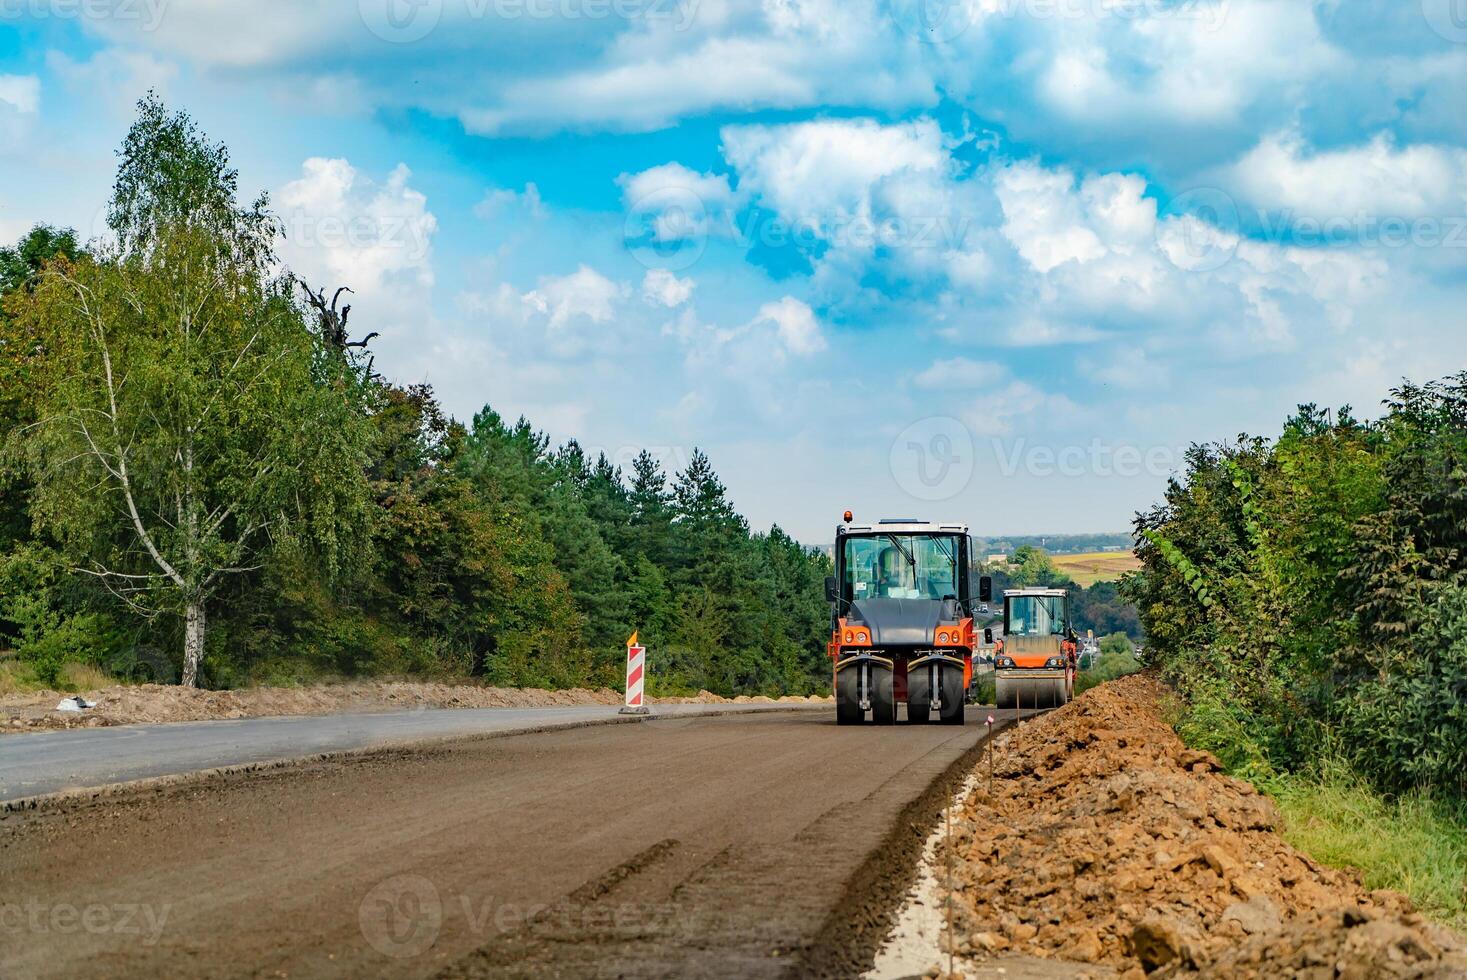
(1054, 662)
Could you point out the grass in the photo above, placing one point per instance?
(1096, 566)
(1414, 844)
(17, 677)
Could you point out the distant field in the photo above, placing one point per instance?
(1096, 566)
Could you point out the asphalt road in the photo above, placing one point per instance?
(80, 758)
(767, 844)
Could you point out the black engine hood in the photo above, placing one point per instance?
(898, 622)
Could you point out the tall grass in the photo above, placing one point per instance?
(1414, 844)
(18, 677)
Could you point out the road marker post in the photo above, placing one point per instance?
(636, 678)
(989, 723)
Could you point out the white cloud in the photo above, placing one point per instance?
(678, 203)
(959, 373)
(570, 316)
(827, 171)
(499, 200)
(795, 325)
(21, 92)
(584, 293)
(1044, 219)
(343, 227)
(662, 286)
(784, 327)
(1373, 180)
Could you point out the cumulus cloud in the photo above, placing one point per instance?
(794, 324)
(676, 203)
(783, 328)
(343, 227)
(828, 170)
(663, 287)
(1376, 179)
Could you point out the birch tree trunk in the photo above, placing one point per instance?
(193, 641)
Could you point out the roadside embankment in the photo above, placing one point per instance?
(1107, 841)
(152, 703)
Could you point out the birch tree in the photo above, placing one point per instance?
(190, 421)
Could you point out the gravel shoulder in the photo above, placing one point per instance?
(156, 703)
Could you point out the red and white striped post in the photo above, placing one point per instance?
(636, 677)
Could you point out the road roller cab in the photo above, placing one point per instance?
(1036, 662)
(902, 602)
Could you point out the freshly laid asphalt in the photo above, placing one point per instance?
(84, 758)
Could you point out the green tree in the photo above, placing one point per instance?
(189, 420)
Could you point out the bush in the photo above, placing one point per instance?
(1308, 596)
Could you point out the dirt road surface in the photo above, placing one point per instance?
(754, 845)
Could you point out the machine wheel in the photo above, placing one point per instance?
(919, 695)
(951, 679)
(1003, 691)
(883, 697)
(848, 697)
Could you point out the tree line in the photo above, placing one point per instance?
(1308, 594)
(205, 478)
(1099, 607)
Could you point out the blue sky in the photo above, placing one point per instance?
(993, 260)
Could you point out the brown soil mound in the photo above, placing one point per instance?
(147, 703)
(1108, 841)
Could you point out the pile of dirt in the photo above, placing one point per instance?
(1108, 841)
(147, 703)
